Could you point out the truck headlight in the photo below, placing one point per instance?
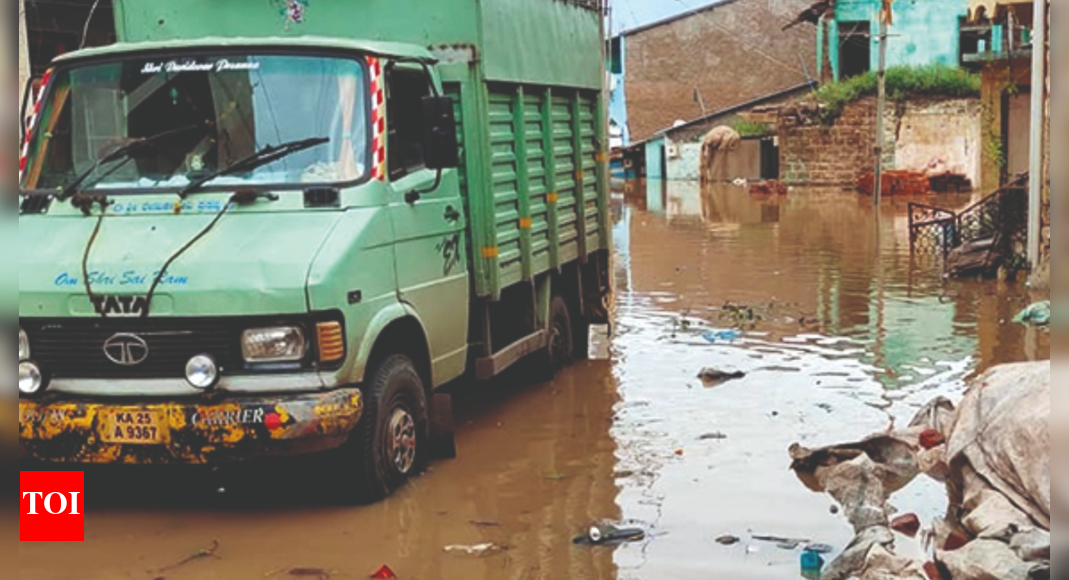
(24, 346)
(274, 345)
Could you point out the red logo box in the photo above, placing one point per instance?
(53, 506)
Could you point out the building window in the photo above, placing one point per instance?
(404, 107)
(855, 49)
(616, 66)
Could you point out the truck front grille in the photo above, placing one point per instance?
(131, 348)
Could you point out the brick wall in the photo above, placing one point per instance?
(920, 135)
(729, 54)
(820, 155)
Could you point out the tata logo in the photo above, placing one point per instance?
(127, 350)
(120, 306)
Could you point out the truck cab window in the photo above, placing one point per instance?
(404, 107)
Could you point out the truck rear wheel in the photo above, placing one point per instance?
(389, 445)
(560, 341)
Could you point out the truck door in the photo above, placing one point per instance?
(431, 258)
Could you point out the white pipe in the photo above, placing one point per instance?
(1035, 181)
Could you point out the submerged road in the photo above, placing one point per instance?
(843, 332)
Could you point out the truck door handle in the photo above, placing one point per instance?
(451, 215)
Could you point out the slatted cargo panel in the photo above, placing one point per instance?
(542, 203)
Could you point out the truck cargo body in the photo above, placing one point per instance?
(241, 229)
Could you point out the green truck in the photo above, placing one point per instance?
(254, 229)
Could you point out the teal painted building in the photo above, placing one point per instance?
(924, 32)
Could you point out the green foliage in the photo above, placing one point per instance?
(751, 129)
(902, 82)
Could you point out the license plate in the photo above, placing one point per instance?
(133, 428)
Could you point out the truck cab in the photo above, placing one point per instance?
(241, 248)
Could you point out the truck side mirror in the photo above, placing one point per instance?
(440, 148)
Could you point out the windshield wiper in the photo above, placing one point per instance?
(121, 154)
(265, 156)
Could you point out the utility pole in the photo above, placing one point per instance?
(881, 100)
(1035, 177)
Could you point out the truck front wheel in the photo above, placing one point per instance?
(389, 445)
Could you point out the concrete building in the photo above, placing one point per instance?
(1015, 66)
(925, 32)
(708, 60)
(24, 52)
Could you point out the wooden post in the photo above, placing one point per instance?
(1035, 181)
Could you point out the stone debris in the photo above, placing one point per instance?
(995, 461)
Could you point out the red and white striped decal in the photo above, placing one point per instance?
(32, 124)
(378, 119)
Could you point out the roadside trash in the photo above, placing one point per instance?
(996, 466)
(812, 564)
(383, 573)
(908, 525)
(740, 182)
(713, 336)
(712, 377)
(1037, 314)
(478, 550)
(727, 540)
(317, 573)
(607, 534)
(713, 437)
(788, 544)
(819, 548)
(679, 452)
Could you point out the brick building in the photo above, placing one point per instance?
(926, 32)
(712, 59)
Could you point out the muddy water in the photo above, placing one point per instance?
(848, 332)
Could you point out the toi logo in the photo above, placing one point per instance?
(52, 506)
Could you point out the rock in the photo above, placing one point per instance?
(931, 439)
(710, 375)
(908, 525)
(934, 572)
(727, 540)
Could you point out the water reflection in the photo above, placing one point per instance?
(849, 332)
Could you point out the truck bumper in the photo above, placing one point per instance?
(186, 432)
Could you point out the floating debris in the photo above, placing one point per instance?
(478, 550)
(608, 534)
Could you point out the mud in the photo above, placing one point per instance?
(843, 333)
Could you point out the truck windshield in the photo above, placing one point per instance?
(202, 114)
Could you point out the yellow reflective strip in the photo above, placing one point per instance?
(602, 157)
(525, 223)
(491, 253)
(552, 198)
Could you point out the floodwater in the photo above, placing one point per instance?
(848, 334)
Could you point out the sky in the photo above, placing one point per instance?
(629, 14)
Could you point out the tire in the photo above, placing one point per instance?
(560, 348)
(390, 444)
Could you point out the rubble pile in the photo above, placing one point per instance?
(896, 183)
(993, 454)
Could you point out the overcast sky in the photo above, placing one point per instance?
(627, 14)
